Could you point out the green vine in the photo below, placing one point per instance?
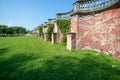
(64, 26)
(49, 31)
(40, 30)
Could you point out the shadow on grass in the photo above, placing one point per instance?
(3, 51)
(58, 68)
(11, 68)
(71, 68)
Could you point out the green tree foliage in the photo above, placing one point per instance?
(49, 31)
(64, 26)
(9, 30)
(28, 31)
(5, 30)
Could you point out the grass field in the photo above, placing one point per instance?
(29, 58)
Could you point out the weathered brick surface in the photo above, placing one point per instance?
(45, 32)
(45, 29)
(57, 34)
(54, 38)
(71, 41)
(100, 32)
(55, 29)
(74, 23)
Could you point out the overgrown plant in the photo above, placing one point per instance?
(64, 26)
(49, 31)
(40, 30)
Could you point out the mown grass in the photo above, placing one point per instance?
(29, 58)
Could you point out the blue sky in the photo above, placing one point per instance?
(31, 13)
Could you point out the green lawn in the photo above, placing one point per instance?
(29, 58)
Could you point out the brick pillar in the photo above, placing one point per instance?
(74, 26)
(71, 41)
(45, 36)
(74, 23)
(54, 38)
(42, 36)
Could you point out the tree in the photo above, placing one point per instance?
(9, 30)
(5, 30)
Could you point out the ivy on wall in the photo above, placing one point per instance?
(40, 30)
(64, 26)
(49, 31)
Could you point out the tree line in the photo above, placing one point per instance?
(15, 30)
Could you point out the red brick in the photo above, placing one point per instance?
(100, 32)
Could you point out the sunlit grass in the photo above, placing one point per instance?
(29, 58)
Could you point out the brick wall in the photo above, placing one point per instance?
(57, 34)
(100, 32)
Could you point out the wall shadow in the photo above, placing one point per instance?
(58, 68)
(3, 51)
(71, 68)
(10, 67)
